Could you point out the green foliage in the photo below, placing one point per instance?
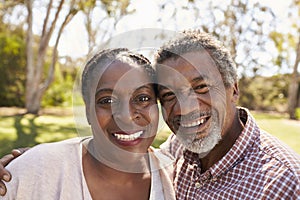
(264, 93)
(297, 113)
(61, 90)
(12, 68)
(113, 7)
(13, 75)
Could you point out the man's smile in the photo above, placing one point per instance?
(190, 124)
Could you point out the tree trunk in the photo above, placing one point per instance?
(31, 83)
(35, 104)
(293, 89)
(294, 86)
(36, 83)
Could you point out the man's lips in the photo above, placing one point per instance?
(128, 136)
(193, 126)
(193, 123)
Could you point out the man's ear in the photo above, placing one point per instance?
(236, 92)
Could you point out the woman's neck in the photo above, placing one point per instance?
(113, 175)
(119, 159)
(106, 182)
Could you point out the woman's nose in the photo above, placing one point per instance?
(125, 113)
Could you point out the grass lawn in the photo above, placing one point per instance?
(17, 130)
(288, 131)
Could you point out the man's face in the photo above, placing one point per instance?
(196, 105)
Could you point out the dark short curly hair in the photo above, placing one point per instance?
(195, 40)
(108, 56)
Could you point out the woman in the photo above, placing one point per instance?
(119, 92)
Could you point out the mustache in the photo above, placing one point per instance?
(191, 116)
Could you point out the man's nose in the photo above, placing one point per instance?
(185, 104)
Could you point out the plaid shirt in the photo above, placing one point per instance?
(258, 166)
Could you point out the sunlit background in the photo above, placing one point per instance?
(262, 36)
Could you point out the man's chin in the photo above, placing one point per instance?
(201, 146)
(202, 152)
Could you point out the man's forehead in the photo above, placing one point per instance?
(187, 69)
(200, 60)
(192, 63)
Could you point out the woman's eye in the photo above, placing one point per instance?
(106, 101)
(142, 98)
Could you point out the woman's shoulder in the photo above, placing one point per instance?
(54, 148)
(42, 170)
(46, 154)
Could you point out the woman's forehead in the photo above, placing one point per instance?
(122, 76)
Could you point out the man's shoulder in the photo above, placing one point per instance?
(173, 146)
(282, 156)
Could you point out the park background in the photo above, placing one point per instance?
(45, 43)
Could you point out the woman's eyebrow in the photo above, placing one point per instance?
(144, 86)
(103, 90)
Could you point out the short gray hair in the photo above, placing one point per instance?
(195, 40)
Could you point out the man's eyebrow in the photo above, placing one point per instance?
(200, 78)
(196, 79)
(161, 87)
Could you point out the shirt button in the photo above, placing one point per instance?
(198, 185)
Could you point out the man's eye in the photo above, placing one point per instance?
(203, 88)
(167, 96)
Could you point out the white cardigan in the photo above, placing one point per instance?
(54, 171)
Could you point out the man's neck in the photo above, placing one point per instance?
(220, 150)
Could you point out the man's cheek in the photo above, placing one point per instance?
(164, 113)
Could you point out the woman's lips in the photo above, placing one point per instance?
(127, 137)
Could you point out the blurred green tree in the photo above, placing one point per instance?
(12, 67)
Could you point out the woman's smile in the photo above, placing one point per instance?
(128, 138)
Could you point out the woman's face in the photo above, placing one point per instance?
(126, 107)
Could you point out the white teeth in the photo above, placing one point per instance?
(196, 123)
(202, 121)
(130, 137)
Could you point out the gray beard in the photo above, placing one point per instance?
(204, 145)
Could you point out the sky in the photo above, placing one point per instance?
(74, 39)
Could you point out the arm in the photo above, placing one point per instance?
(4, 161)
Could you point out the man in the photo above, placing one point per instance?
(220, 151)
(226, 155)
